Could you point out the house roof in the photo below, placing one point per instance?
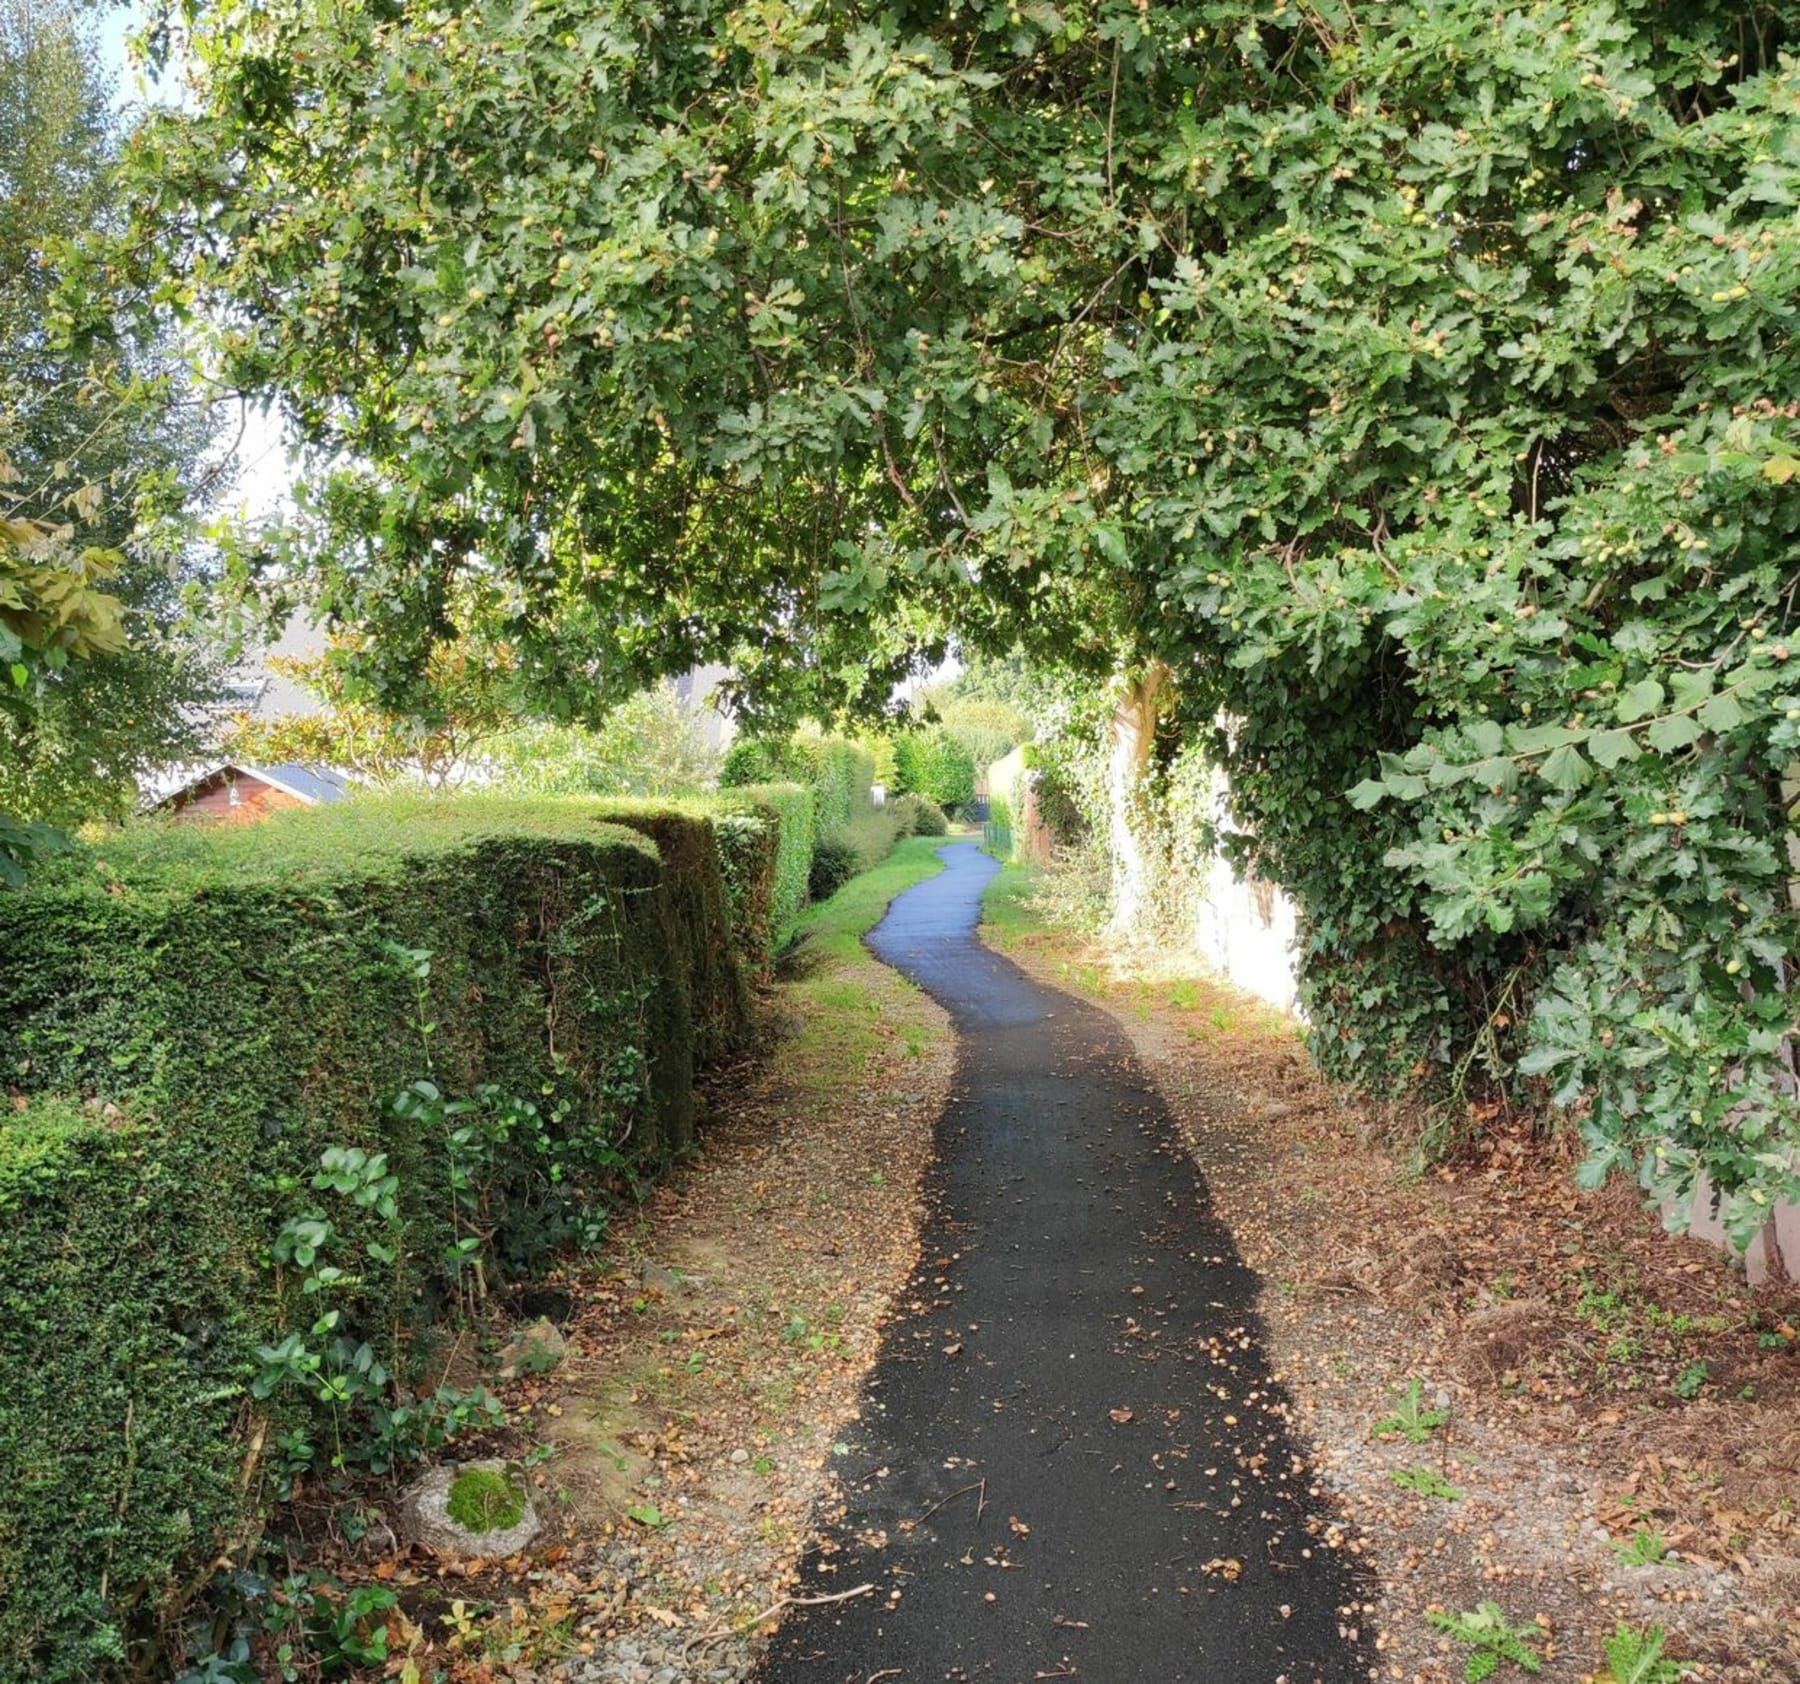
(307, 783)
(315, 785)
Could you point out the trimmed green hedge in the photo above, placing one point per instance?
(129, 1299)
(749, 852)
(197, 1014)
(789, 811)
(838, 771)
(695, 882)
(842, 772)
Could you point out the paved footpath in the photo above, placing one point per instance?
(1072, 1463)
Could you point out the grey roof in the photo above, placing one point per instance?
(308, 783)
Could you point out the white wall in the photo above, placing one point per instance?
(1245, 928)
(1246, 931)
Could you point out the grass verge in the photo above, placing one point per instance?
(835, 928)
(851, 1006)
(1009, 915)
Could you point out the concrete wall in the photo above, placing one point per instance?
(1773, 1255)
(1246, 930)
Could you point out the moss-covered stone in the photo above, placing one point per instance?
(483, 1500)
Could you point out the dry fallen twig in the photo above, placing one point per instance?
(740, 1627)
(962, 1491)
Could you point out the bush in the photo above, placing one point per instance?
(873, 835)
(918, 816)
(989, 730)
(837, 771)
(998, 838)
(321, 1061)
(858, 846)
(652, 746)
(787, 811)
(935, 765)
(834, 863)
(762, 760)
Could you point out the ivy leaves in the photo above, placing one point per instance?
(1646, 718)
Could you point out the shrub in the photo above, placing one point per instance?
(653, 745)
(873, 835)
(919, 816)
(318, 1060)
(125, 1279)
(989, 730)
(837, 771)
(834, 863)
(934, 764)
(998, 838)
(762, 760)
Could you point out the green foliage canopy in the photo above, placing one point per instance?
(1416, 380)
(936, 764)
(650, 745)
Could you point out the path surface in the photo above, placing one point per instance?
(1073, 1463)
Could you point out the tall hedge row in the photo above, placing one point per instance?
(838, 771)
(189, 1017)
(789, 812)
(694, 881)
(842, 772)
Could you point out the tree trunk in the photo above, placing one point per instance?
(1138, 700)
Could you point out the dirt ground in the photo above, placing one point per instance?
(1606, 1422)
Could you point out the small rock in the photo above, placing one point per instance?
(740, 1457)
(533, 1349)
(425, 1512)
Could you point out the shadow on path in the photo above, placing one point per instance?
(1072, 1462)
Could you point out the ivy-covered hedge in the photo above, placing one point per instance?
(749, 853)
(189, 1018)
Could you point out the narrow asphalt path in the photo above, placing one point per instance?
(1073, 1462)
